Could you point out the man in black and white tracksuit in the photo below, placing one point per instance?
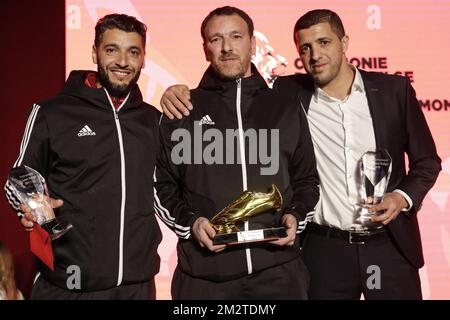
(96, 144)
(240, 136)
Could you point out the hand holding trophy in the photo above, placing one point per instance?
(30, 188)
(375, 171)
(243, 209)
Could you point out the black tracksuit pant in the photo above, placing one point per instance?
(287, 281)
(44, 290)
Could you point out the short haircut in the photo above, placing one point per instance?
(227, 11)
(314, 17)
(119, 21)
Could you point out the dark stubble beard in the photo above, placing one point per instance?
(237, 75)
(116, 90)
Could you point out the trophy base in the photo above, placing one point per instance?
(56, 228)
(364, 217)
(247, 236)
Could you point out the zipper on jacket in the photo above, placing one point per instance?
(243, 163)
(122, 182)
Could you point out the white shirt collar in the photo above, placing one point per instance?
(358, 85)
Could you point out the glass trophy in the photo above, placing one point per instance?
(30, 188)
(375, 171)
(243, 209)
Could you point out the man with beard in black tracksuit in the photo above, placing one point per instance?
(246, 122)
(95, 144)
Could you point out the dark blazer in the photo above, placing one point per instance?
(400, 127)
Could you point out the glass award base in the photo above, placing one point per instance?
(233, 238)
(56, 228)
(364, 217)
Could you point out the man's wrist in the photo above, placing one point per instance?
(407, 200)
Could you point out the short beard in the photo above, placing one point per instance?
(117, 91)
(238, 75)
(319, 82)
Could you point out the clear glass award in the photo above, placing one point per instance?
(243, 209)
(30, 188)
(375, 171)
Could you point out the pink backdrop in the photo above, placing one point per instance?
(406, 37)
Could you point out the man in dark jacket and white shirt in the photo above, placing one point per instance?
(361, 111)
(258, 139)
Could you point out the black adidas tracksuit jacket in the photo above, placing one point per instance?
(100, 162)
(187, 191)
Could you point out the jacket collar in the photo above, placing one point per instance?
(376, 105)
(306, 90)
(75, 86)
(213, 82)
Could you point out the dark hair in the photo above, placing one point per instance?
(227, 11)
(314, 17)
(119, 21)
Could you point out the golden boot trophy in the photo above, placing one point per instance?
(242, 209)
